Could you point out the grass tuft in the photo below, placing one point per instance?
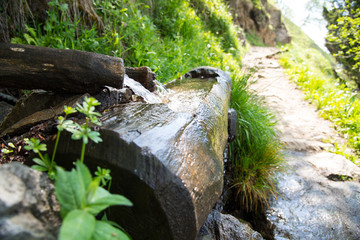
(255, 152)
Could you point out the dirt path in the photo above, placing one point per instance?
(312, 202)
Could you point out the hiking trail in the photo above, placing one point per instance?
(313, 201)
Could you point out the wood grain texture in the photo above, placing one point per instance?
(32, 67)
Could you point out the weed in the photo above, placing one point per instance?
(80, 195)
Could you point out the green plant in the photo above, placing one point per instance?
(81, 199)
(255, 151)
(80, 195)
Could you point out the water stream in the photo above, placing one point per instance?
(185, 95)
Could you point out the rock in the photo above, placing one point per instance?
(166, 160)
(281, 34)
(310, 205)
(28, 206)
(220, 226)
(265, 22)
(143, 75)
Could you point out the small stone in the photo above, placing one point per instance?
(227, 227)
(28, 206)
(12, 192)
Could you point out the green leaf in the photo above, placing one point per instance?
(95, 136)
(102, 199)
(39, 168)
(63, 7)
(113, 199)
(77, 225)
(104, 231)
(84, 173)
(34, 145)
(40, 162)
(65, 124)
(68, 190)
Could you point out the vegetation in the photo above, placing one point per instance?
(255, 151)
(254, 40)
(343, 40)
(311, 68)
(81, 196)
(172, 37)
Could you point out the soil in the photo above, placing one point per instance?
(312, 202)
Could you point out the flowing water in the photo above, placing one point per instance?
(185, 95)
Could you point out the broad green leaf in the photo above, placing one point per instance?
(84, 173)
(103, 199)
(104, 231)
(77, 225)
(68, 194)
(114, 199)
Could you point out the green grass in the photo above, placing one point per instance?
(255, 151)
(172, 37)
(311, 68)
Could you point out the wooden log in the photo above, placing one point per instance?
(167, 161)
(31, 67)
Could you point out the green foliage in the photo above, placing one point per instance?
(255, 151)
(167, 36)
(81, 199)
(216, 18)
(343, 39)
(80, 195)
(336, 101)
